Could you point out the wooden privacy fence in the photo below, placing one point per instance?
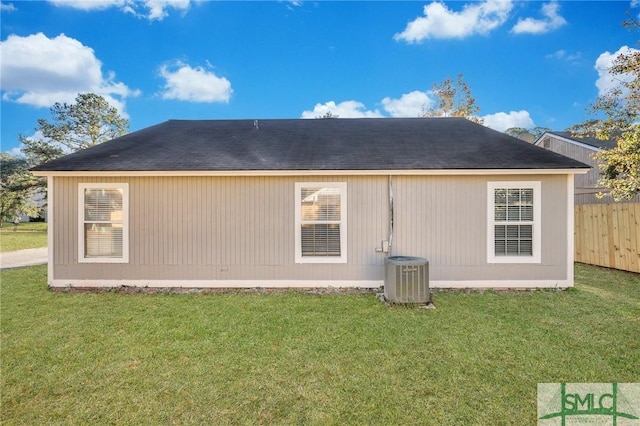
(608, 235)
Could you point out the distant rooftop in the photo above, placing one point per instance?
(596, 143)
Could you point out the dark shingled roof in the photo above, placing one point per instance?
(321, 144)
(596, 143)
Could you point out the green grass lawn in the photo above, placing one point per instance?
(293, 358)
(27, 235)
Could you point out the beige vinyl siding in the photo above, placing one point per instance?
(204, 221)
(242, 228)
(443, 218)
(222, 228)
(433, 219)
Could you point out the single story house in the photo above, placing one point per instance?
(581, 149)
(310, 203)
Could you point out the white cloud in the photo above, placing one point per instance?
(88, 5)
(7, 7)
(158, 8)
(409, 105)
(16, 151)
(346, 109)
(563, 55)
(40, 71)
(502, 121)
(440, 22)
(551, 21)
(607, 82)
(149, 9)
(413, 104)
(185, 83)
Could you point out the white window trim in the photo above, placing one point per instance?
(537, 222)
(342, 186)
(125, 223)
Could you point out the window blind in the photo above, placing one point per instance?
(514, 208)
(103, 225)
(320, 212)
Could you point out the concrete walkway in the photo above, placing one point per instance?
(20, 258)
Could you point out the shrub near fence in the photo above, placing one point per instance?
(608, 235)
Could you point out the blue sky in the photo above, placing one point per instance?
(532, 63)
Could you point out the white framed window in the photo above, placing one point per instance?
(321, 222)
(513, 222)
(103, 222)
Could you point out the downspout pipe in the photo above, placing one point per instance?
(391, 214)
(388, 243)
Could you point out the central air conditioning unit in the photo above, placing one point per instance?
(406, 280)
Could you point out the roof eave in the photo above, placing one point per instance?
(406, 172)
(581, 144)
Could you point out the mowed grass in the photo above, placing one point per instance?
(26, 236)
(293, 358)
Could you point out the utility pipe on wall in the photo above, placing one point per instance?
(390, 241)
(386, 245)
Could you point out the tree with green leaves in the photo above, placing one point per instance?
(16, 189)
(87, 122)
(454, 99)
(619, 166)
(328, 114)
(517, 132)
(534, 133)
